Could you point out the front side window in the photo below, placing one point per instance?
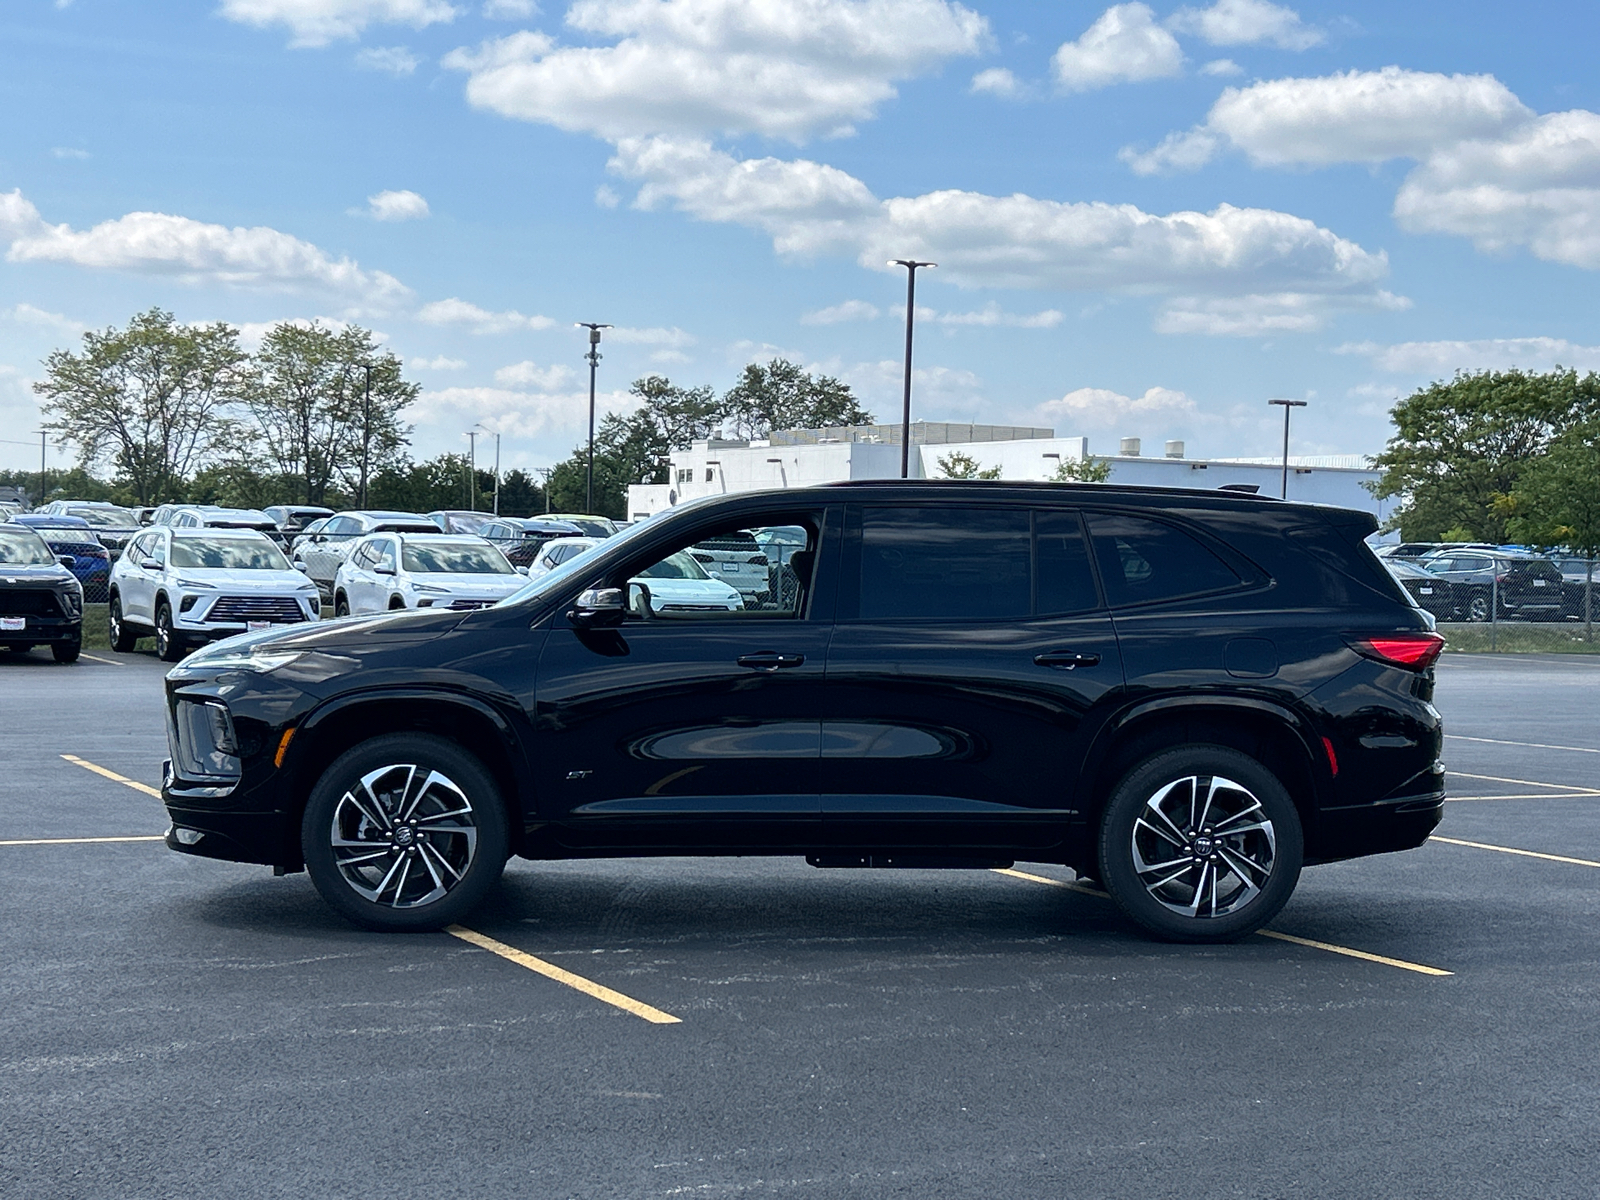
(724, 573)
(1142, 560)
(382, 554)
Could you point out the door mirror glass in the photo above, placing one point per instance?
(383, 568)
(598, 606)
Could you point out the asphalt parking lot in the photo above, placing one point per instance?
(178, 1027)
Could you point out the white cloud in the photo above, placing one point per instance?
(668, 357)
(392, 60)
(531, 374)
(850, 310)
(440, 363)
(1247, 23)
(1357, 116)
(1125, 45)
(1444, 358)
(1102, 408)
(1219, 67)
(513, 413)
(28, 314)
(455, 311)
(990, 316)
(394, 206)
(656, 336)
(1001, 241)
(998, 81)
(318, 22)
(68, 152)
(191, 251)
(1262, 315)
(698, 67)
(509, 10)
(1538, 186)
(606, 196)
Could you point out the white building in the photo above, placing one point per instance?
(805, 457)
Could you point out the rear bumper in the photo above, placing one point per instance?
(1399, 823)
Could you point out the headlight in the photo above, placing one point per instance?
(196, 583)
(247, 659)
(203, 743)
(429, 588)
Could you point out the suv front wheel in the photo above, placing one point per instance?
(404, 832)
(1200, 844)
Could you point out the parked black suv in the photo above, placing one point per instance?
(1525, 587)
(1185, 695)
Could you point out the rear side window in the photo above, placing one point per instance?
(954, 563)
(1143, 560)
(1065, 582)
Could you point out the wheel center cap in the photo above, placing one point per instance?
(404, 835)
(1205, 846)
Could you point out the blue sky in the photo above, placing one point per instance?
(1148, 219)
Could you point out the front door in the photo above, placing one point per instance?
(971, 646)
(696, 723)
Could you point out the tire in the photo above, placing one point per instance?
(122, 637)
(169, 648)
(341, 606)
(1478, 607)
(67, 652)
(404, 883)
(1251, 872)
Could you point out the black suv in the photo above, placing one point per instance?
(1185, 695)
(1516, 585)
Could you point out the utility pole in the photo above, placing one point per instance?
(41, 467)
(911, 266)
(1287, 405)
(472, 469)
(366, 432)
(593, 359)
(544, 474)
(496, 467)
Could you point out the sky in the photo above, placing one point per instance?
(1148, 219)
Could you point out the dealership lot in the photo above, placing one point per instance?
(176, 1026)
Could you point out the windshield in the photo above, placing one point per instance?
(465, 522)
(107, 518)
(23, 548)
(599, 527)
(675, 566)
(227, 554)
(455, 558)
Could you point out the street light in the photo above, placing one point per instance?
(480, 425)
(472, 469)
(593, 359)
(1287, 405)
(911, 266)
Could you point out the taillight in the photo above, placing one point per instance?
(1413, 651)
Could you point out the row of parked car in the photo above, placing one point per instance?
(1481, 582)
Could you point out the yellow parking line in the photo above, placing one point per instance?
(1461, 737)
(1400, 963)
(1566, 787)
(110, 661)
(113, 776)
(577, 982)
(155, 837)
(1560, 858)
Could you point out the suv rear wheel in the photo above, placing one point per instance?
(1200, 844)
(405, 832)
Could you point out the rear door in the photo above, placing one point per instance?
(970, 649)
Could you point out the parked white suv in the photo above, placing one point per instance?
(324, 550)
(188, 586)
(418, 570)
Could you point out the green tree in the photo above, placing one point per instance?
(1557, 502)
(520, 494)
(960, 465)
(154, 398)
(1460, 447)
(313, 418)
(1082, 470)
(780, 395)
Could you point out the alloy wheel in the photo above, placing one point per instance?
(404, 835)
(1203, 846)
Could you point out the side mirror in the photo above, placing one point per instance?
(299, 566)
(383, 569)
(522, 570)
(151, 564)
(66, 560)
(598, 607)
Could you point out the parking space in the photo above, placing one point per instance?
(178, 1027)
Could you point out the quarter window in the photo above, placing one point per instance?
(1143, 560)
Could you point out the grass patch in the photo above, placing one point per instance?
(1517, 638)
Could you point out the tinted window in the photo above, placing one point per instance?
(1065, 583)
(1143, 560)
(967, 564)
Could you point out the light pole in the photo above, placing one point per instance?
(544, 474)
(472, 469)
(593, 359)
(41, 468)
(911, 265)
(480, 425)
(1287, 405)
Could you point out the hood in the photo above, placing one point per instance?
(245, 581)
(473, 585)
(18, 575)
(690, 589)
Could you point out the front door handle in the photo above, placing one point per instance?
(1066, 660)
(770, 660)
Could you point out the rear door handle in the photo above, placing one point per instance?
(770, 660)
(1066, 660)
